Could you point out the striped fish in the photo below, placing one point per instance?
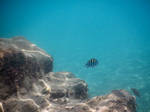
(91, 63)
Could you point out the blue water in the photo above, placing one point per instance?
(116, 32)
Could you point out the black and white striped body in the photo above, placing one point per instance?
(92, 62)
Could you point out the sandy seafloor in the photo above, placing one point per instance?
(116, 32)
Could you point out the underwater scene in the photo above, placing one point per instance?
(105, 43)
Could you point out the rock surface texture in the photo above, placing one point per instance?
(27, 84)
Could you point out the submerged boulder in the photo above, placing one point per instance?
(20, 105)
(65, 84)
(27, 84)
(118, 101)
(21, 60)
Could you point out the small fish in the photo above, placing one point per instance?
(136, 92)
(92, 62)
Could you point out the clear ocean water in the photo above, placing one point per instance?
(116, 32)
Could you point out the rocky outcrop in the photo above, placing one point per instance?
(27, 84)
(116, 101)
(64, 84)
(21, 64)
(20, 105)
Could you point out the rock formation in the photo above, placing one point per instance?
(27, 84)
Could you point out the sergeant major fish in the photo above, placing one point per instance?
(91, 63)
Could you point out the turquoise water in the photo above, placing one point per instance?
(116, 32)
